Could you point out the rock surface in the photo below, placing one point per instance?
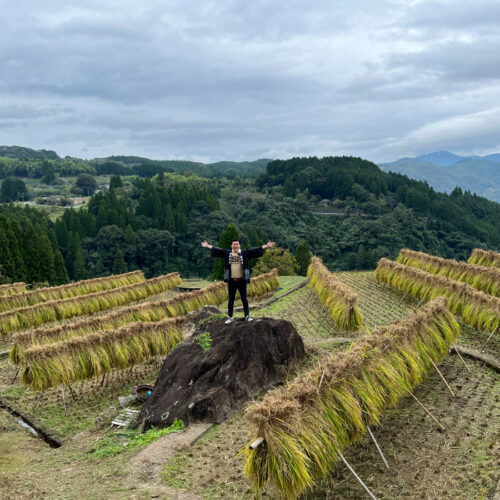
(196, 385)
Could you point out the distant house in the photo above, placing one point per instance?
(325, 202)
(51, 200)
(80, 201)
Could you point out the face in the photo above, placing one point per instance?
(235, 246)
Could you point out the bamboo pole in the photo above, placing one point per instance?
(460, 356)
(372, 496)
(377, 446)
(425, 409)
(442, 377)
(489, 338)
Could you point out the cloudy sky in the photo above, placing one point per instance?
(239, 80)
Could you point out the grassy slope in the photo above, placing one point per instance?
(424, 462)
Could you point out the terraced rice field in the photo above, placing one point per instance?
(459, 463)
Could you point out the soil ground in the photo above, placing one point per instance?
(459, 463)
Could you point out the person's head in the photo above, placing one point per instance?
(235, 246)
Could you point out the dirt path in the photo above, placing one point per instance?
(144, 469)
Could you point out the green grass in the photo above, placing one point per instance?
(130, 439)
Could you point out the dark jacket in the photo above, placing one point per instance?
(246, 255)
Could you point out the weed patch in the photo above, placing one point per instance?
(129, 439)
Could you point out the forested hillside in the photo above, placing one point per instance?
(156, 224)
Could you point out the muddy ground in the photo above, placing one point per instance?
(459, 463)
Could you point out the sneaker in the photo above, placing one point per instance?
(229, 320)
(248, 318)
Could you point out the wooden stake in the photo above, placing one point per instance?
(72, 393)
(378, 447)
(64, 399)
(460, 356)
(321, 380)
(441, 375)
(425, 409)
(401, 301)
(15, 376)
(489, 338)
(420, 302)
(102, 381)
(37, 401)
(372, 496)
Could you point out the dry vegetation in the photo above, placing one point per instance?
(11, 289)
(475, 308)
(485, 258)
(460, 463)
(339, 300)
(486, 279)
(93, 303)
(84, 287)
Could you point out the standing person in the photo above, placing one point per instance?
(237, 272)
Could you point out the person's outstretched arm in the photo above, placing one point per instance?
(216, 251)
(259, 251)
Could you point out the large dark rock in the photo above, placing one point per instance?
(195, 385)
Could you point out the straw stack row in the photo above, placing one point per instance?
(475, 308)
(62, 292)
(339, 300)
(80, 358)
(12, 288)
(484, 278)
(485, 258)
(54, 310)
(307, 424)
(179, 305)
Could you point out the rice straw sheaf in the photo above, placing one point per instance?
(87, 304)
(62, 292)
(488, 258)
(12, 288)
(484, 278)
(307, 424)
(475, 308)
(97, 353)
(339, 300)
(179, 305)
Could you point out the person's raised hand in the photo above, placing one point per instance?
(205, 244)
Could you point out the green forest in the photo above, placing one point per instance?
(344, 209)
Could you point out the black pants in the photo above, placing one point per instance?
(241, 286)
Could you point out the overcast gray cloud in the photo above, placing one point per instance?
(241, 80)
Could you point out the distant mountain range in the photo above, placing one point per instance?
(444, 171)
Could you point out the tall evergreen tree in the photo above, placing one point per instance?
(229, 235)
(115, 182)
(119, 264)
(61, 274)
(303, 256)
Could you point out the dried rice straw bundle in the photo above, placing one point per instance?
(98, 353)
(181, 304)
(62, 292)
(488, 258)
(339, 300)
(475, 308)
(486, 279)
(308, 424)
(12, 289)
(87, 304)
